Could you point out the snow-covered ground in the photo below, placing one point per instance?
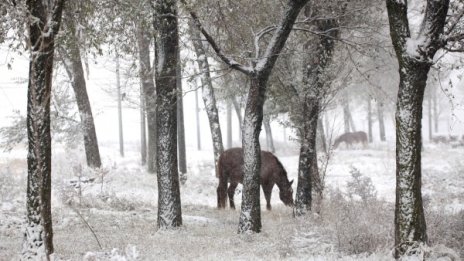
(120, 207)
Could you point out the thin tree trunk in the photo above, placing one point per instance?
(238, 112)
(118, 86)
(148, 89)
(197, 117)
(429, 114)
(73, 61)
(436, 116)
(320, 130)
(38, 236)
(369, 118)
(180, 124)
(143, 132)
(229, 124)
(268, 130)
(381, 120)
(166, 52)
(346, 115)
(209, 98)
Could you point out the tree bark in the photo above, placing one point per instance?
(38, 237)
(322, 137)
(209, 98)
(414, 60)
(369, 118)
(381, 121)
(73, 60)
(166, 47)
(269, 139)
(118, 86)
(149, 95)
(180, 124)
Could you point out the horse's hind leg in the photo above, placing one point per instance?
(231, 192)
(221, 194)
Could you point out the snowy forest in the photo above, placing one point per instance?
(231, 130)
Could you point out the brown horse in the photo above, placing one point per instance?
(351, 137)
(230, 170)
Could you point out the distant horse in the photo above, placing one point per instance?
(351, 137)
(230, 170)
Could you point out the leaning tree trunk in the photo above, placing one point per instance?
(38, 237)
(208, 94)
(78, 84)
(414, 60)
(148, 88)
(166, 47)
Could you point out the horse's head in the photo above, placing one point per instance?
(286, 194)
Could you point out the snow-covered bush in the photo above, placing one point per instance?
(358, 226)
(361, 186)
(446, 229)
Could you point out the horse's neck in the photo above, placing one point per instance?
(281, 181)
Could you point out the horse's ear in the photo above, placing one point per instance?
(291, 182)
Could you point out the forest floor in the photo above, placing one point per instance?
(119, 205)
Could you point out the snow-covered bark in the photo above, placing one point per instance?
(415, 54)
(207, 90)
(73, 64)
(148, 88)
(43, 26)
(166, 52)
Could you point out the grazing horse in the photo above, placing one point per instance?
(351, 137)
(230, 170)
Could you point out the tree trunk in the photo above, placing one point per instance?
(38, 237)
(414, 60)
(118, 86)
(180, 124)
(268, 130)
(320, 130)
(208, 94)
(250, 215)
(149, 96)
(409, 214)
(143, 127)
(197, 117)
(369, 118)
(346, 115)
(238, 111)
(229, 124)
(74, 62)
(166, 47)
(381, 121)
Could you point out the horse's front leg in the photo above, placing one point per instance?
(221, 193)
(267, 189)
(231, 192)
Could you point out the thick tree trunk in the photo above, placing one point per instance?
(208, 94)
(180, 124)
(269, 139)
(381, 121)
(409, 213)
(369, 118)
(38, 237)
(73, 56)
(118, 86)
(166, 46)
(250, 215)
(149, 96)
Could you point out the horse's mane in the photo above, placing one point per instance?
(281, 166)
